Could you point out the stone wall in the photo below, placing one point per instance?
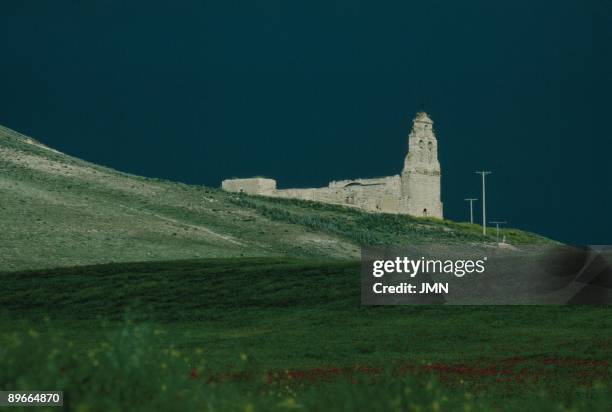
(423, 197)
(376, 195)
(251, 186)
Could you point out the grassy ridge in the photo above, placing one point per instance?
(375, 228)
(60, 211)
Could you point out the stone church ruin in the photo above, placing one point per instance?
(415, 192)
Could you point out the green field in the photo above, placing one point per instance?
(284, 333)
(243, 303)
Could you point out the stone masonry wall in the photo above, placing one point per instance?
(376, 195)
(380, 194)
(251, 186)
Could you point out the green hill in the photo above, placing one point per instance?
(58, 210)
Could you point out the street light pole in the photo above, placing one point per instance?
(484, 201)
(471, 200)
(497, 223)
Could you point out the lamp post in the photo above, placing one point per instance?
(484, 173)
(497, 223)
(471, 200)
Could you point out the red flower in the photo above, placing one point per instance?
(194, 373)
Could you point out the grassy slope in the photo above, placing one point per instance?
(58, 210)
(61, 211)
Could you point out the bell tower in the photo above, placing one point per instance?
(420, 181)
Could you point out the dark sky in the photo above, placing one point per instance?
(311, 91)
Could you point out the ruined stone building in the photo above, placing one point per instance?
(415, 192)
